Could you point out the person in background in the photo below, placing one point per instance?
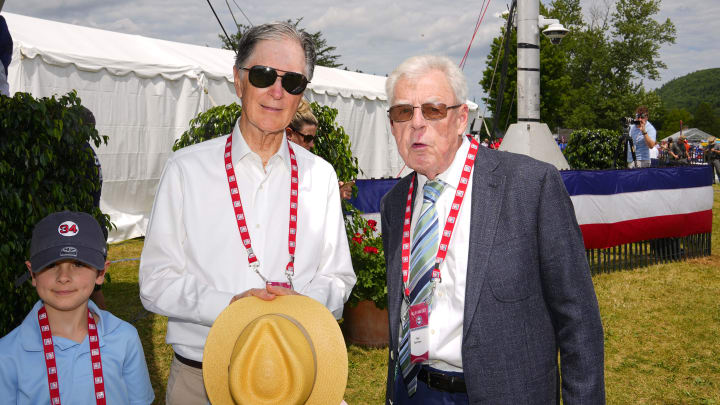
(302, 130)
(654, 154)
(712, 153)
(487, 278)
(66, 340)
(679, 152)
(6, 47)
(245, 215)
(643, 135)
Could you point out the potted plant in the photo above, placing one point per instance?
(365, 315)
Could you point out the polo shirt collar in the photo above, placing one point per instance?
(32, 340)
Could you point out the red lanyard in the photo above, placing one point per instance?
(449, 224)
(49, 351)
(240, 214)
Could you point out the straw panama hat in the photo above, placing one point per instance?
(286, 351)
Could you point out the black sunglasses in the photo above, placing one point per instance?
(264, 76)
(306, 138)
(431, 111)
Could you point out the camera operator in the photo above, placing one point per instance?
(643, 135)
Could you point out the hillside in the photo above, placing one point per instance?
(690, 90)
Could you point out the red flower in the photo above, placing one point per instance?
(357, 239)
(370, 249)
(372, 223)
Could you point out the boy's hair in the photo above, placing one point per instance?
(67, 235)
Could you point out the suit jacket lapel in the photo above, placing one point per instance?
(486, 198)
(395, 214)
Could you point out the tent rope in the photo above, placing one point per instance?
(481, 16)
(492, 81)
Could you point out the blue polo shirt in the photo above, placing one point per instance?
(642, 152)
(23, 376)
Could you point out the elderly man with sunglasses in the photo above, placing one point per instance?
(247, 214)
(486, 269)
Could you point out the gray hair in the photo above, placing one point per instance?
(276, 31)
(416, 66)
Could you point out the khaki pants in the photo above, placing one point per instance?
(185, 385)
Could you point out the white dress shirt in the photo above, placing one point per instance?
(448, 303)
(194, 262)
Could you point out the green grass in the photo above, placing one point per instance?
(662, 331)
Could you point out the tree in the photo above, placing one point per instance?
(326, 55)
(595, 75)
(705, 119)
(671, 123)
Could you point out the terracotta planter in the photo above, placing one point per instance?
(365, 325)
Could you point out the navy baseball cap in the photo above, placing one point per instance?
(67, 235)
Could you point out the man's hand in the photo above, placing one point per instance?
(277, 290)
(641, 127)
(261, 293)
(268, 293)
(346, 189)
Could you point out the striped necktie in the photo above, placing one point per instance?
(423, 251)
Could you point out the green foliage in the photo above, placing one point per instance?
(45, 166)
(594, 149)
(325, 53)
(706, 120)
(594, 76)
(687, 92)
(214, 122)
(369, 264)
(333, 144)
(671, 123)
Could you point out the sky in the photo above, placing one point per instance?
(373, 36)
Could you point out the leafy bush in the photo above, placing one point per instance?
(595, 149)
(214, 122)
(333, 144)
(45, 166)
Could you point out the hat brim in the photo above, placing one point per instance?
(88, 256)
(320, 325)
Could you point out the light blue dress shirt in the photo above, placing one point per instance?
(23, 375)
(642, 152)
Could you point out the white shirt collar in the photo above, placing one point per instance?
(240, 148)
(451, 175)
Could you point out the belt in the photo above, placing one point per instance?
(442, 382)
(188, 362)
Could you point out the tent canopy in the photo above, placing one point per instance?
(144, 91)
(693, 135)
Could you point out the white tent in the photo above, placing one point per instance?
(693, 135)
(144, 91)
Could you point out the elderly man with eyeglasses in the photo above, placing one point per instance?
(248, 214)
(486, 269)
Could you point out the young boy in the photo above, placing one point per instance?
(67, 350)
